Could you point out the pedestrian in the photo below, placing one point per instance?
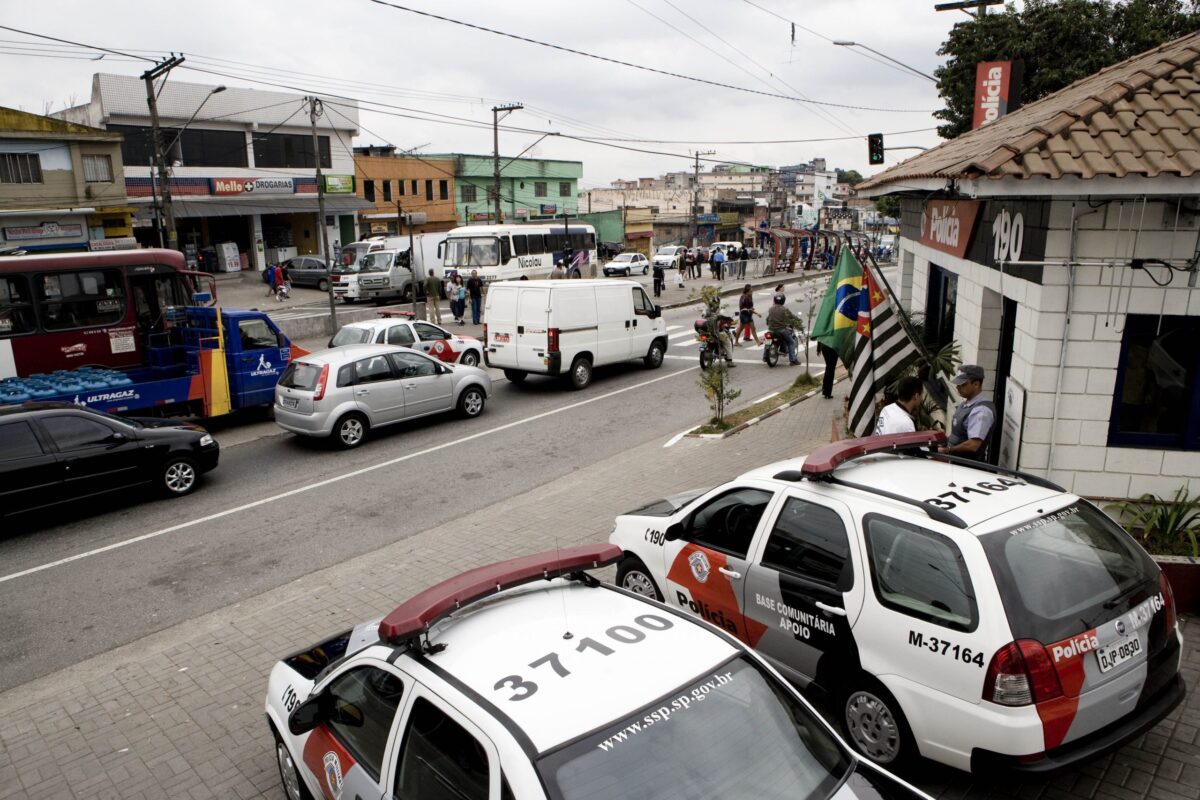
(458, 299)
(558, 273)
(971, 426)
(831, 361)
(659, 278)
(691, 263)
(475, 294)
(433, 288)
(742, 262)
(718, 262)
(270, 276)
(682, 267)
(746, 315)
(900, 416)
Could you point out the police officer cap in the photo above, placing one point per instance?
(968, 372)
(780, 298)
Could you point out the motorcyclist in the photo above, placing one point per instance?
(719, 326)
(780, 322)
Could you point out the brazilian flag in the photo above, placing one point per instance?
(837, 320)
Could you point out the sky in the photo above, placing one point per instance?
(419, 66)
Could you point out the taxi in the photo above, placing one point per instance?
(943, 608)
(399, 327)
(532, 679)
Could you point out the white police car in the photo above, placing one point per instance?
(976, 616)
(566, 689)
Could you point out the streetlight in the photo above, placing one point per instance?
(211, 92)
(841, 43)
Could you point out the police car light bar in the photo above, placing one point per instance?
(418, 614)
(826, 459)
(395, 312)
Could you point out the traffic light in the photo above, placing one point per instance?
(875, 148)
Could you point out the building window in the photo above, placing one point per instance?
(564, 189)
(467, 192)
(413, 188)
(20, 168)
(387, 191)
(369, 190)
(1157, 383)
(539, 189)
(97, 169)
(400, 187)
(289, 150)
(443, 190)
(428, 190)
(196, 147)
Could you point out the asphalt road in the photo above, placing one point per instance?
(77, 583)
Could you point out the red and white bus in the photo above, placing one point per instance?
(61, 311)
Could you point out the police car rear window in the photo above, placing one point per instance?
(769, 746)
(1058, 572)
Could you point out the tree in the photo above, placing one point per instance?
(850, 176)
(888, 205)
(1060, 41)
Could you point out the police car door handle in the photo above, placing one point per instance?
(729, 573)
(841, 612)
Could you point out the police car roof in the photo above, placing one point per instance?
(922, 479)
(610, 671)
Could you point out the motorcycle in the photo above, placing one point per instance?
(773, 347)
(710, 345)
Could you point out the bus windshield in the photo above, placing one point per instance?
(477, 251)
(376, 262)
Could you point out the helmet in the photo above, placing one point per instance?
(779, 298)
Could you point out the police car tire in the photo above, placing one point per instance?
(470, 359)
(869, 701)
(641, 580)
(285, 762)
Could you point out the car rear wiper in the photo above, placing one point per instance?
(1116, 601)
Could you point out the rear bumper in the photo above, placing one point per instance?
(1089, 747)
(320, 424)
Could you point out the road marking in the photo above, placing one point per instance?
(336, 479)
(768, 397)
(673, 328)
(677, 437)
(683, 335)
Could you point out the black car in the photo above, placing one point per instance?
(57, 452)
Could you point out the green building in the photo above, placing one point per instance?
(531, 189)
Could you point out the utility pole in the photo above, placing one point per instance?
(412, 261)
(696, 195)
(316, 109)
(507, 109)
(164, 179)
(154, 200)
(980, 6)
(567, 251)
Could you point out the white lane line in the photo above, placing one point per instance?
(676, 438)
(768, 397)
(336, 479)
(683, 335)
(673, 328)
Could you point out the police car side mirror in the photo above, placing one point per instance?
(306, 716)
(673, 532)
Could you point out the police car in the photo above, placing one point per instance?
(944, 608)
(399, 327)
(531, 679)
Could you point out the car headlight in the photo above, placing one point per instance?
(207, 440)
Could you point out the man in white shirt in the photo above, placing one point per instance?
(898, 417)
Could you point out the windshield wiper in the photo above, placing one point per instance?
(1116, 601)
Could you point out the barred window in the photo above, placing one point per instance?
(20, 168)
(467, 190)
(97, 169)
(564, 189)
(539, 189)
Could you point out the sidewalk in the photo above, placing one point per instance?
(179, 713)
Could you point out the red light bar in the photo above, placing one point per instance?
(419, 613)
(395, 312)
(826, 459)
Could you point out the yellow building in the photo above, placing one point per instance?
(639, 231)
(400, 184)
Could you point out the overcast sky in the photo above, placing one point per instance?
(373, 52)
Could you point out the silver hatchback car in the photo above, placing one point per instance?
(345, 392)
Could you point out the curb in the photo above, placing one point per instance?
(758, 419)
(788, 277)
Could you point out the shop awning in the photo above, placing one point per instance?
(237, 207)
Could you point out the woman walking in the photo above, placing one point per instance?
(458, 299)
(746, 314)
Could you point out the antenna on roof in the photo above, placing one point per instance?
(566, 632)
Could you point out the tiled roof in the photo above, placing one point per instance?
(1138, 117)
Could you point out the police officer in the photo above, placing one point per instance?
(971, 427)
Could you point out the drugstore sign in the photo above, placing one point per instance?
(227, 186)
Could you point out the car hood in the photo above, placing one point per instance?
(154, 423)
(667, 505)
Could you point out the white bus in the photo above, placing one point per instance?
(514, 252)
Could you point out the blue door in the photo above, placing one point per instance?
(257, 356)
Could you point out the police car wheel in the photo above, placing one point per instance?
(633, 576)
(179, 476)
(350, 431)
(289, 776)
(469, 358)
(875, 726)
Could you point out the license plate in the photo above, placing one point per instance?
(1118, 652)
(289, 402)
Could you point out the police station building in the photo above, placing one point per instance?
(1058, 246)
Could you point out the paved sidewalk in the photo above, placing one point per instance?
(179, 713)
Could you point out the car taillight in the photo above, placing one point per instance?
(1164, 586)
(552, 340)
(1020, 674)
(320, 392)
(485, 333)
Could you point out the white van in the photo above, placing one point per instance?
(568, 327)
(385, 274)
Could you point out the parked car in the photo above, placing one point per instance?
(346, 392)
(308, 271)
(531, 680)
(626, 264)
(946, 608)
(569, 327)
(58, 452)
(421, 335)
(669, 256)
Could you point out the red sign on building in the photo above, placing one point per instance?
(997, 89)
(947, 225)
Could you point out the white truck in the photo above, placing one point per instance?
(400, 268)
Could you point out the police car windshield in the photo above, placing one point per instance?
(351, 335)
(1066, 571)
(733, 733)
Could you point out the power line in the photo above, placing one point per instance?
(650, 69)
